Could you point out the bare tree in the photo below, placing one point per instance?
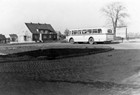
(115, 12)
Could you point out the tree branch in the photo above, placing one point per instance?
(116, 12)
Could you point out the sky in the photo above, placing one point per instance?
(61, 14)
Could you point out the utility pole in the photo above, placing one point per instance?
(126, 33)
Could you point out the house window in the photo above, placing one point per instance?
(51, 32)
(50, 36)
(44, 37)
(37, 30)
(46, 31)
(25, 38)
(36, 37)
(41, 31)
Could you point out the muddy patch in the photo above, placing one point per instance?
(51, 54)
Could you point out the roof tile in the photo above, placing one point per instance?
(34, 26)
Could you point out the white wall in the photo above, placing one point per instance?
(121, 32)
(25, 33)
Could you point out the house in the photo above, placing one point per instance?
(2, 38)
(41, 32)
(13, 37)
(25, 36)
(7, 38)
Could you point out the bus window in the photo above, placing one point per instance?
(89, 31)
(99, 30)
(84, 31)
(70, 33)
(74, 32)
(109, 31)
(79, 32)
(95, 31)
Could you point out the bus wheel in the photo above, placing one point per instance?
(91, 40)
(71, 41)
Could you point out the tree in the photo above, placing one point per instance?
(60, 36)
(115, 12)
(66, 32)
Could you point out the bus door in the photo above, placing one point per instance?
(84, 33)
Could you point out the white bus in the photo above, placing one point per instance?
(90, 35)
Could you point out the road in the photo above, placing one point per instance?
(109, 73)
(126, 45)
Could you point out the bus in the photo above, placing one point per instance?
(90, 35)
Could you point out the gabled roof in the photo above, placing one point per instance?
(34, 26)
(13, 35)
(2, 37)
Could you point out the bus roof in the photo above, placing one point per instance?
(91, 28)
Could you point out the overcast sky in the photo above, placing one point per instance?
(61, 14)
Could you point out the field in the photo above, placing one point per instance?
(79, 69)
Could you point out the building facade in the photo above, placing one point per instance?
(41, 32)
(2, 38)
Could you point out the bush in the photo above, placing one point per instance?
(64, 41)
(118, 38)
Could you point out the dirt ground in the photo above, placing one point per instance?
(115, 72)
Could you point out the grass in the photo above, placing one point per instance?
(47, 51)
(26, 71)
(31, 62)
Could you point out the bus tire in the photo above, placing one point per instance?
(71, 40)
(91, 40)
